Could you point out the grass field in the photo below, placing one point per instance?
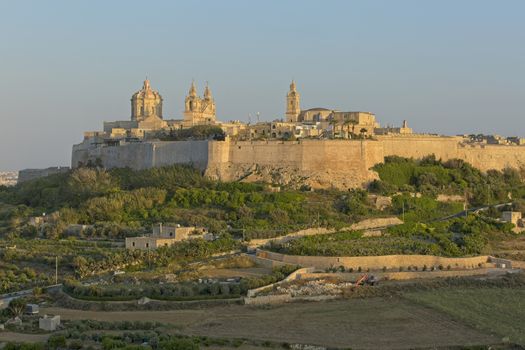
(372, 323)
(499, 311)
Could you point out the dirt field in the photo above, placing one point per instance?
(373, 323)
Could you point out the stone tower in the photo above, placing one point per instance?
(197, 110)
(145, 103)
(293, 106)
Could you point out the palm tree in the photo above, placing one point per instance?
(347, 123)
(354, 123)
(17, 307)
(333, 123)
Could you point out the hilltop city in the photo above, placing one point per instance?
(319, 230)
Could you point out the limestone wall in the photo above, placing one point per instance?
(144, 155)
(32, 174)
(352, 277)
(317, 163)
(418, 146)
(375, 262)
(488, 157)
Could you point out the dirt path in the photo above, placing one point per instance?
(360, 323)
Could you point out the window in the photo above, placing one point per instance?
(132, 244)
(147, 245)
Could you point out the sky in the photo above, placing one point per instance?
(447, 66)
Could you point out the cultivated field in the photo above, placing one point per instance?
(374, 323)
(495, 310)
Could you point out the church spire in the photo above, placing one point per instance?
(146, 85)
(292, 86)
(207, 92)
(293, 107)
(193, 89)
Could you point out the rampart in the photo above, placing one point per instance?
(317, 163)
(32, 174)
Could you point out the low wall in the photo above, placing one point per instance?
(352, 277)
(374, 223)
(367, 224)
(285, 298)
(293, 276)
(375, 262)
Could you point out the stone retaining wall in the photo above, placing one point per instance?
(376, 262)
(407, 275)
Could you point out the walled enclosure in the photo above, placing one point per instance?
(317, 163)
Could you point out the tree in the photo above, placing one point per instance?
(17, 306)
(80, 265)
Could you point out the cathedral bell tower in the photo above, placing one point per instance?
(293, 107)
(197, 110)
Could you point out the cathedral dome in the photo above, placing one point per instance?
(146, 92)
(146, 102)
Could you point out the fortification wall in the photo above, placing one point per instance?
(317, 163)
(181, 152)
(418, 146)
(32, 174)
(144, 155)
(483, 157)
(487, 157)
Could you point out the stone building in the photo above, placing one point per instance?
(49, 323)
(337, 123)
(403, 130)
(166, 235)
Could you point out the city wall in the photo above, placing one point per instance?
(317, 163)
(144, 155)
(31, 174)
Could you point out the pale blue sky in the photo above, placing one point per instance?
(445, 66)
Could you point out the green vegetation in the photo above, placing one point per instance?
(168, 291)
(124, 202)
(497, 310)
(352, 244)
(173, 291)
(455, 237)
(430, 176)
(422, 232)
(198, 132)
(131, 335)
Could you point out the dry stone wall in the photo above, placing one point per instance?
(375, 262)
